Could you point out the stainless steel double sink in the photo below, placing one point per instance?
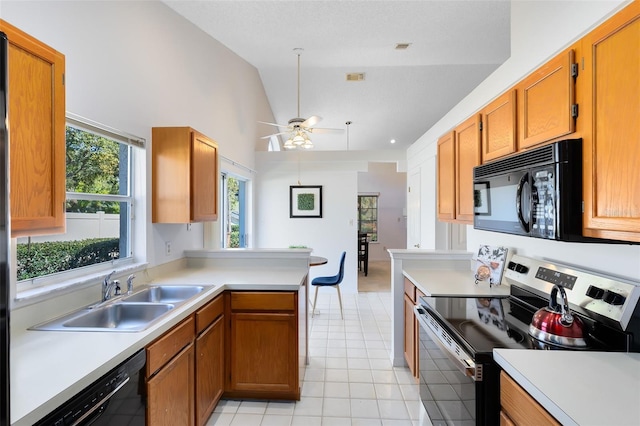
(132, 313)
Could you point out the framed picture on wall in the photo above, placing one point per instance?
(305, 201)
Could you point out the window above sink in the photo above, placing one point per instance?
(100, 202)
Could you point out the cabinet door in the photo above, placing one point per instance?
(170, 392)
(204, 179)
(36, 110)
(209, 370)
(263, 358)
(505, 420)
(184, 176)
(467, 151)
(545, 99)
(611, 132)
(499, 127)
(519, 407)
(409, 334)
(446, 177)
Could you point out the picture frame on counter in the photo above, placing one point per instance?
(305, 201)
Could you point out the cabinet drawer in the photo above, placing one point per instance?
(519, 406)
(263, 301)
(167, 346)
(209, 313)
(410, 290)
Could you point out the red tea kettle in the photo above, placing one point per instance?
(554, 327)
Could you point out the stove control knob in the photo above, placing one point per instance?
(595, 292)
(613, 298)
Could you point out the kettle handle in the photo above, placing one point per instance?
(566, 318)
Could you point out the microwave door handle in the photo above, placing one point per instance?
(525, 223)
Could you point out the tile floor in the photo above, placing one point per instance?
(349, 380)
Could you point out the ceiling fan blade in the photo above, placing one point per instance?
(274, 134)
(320, 130)
(311, 121)
(274, 124)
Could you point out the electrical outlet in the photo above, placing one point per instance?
(167, 248)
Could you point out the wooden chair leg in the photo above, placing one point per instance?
(315, 299)
(340, 300)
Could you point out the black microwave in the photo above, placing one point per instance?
(536, 193)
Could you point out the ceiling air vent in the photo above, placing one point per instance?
(402, 46)
(355, 76)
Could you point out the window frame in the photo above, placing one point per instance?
(377, 220)
(43, 283)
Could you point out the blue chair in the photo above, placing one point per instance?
(332, 281)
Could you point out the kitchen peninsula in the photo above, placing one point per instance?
(49, 367)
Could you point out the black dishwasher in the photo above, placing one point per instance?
(117, 398)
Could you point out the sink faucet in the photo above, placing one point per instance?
(110, 286)
(130, 284)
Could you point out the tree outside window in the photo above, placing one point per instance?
(368, 216)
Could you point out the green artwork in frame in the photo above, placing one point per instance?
(305, 201)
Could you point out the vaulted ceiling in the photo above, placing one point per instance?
(453, 46)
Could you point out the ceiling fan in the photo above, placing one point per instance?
(299, 128)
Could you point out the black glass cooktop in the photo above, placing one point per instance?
(481, 324)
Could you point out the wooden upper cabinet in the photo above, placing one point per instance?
(446, 177)
(36, 112)
(499, 127)
(184, 176)
(467, 136)
(545, 100)
(611, 127)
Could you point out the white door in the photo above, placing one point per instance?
(413, 210)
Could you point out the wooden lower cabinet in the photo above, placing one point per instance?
(239, 345)
(518, 408)
(409, 335)
(411, 328)
(170, 392)
(209, 364)
(262, 346)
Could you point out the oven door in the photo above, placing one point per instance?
(456, 387)
(448, 375)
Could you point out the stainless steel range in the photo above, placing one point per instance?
(459, 381)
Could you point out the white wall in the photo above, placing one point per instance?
(384, 179)
(539, 30)
(133, 65)
(336, 231)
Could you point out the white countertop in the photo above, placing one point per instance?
(49, 367)
(579, 388)
(449, 282)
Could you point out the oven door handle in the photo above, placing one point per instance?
(464, 364)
